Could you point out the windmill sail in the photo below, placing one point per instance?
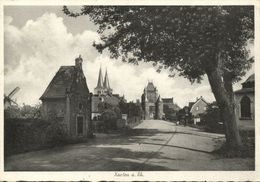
(8, 98)
(13, 92)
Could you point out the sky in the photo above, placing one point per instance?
(40, 39)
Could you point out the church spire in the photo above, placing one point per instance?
(100, 79)
(106, 81)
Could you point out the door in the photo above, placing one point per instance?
(80, 125)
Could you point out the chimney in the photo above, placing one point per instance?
(78, 62)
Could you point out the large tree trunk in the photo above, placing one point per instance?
(223, 92)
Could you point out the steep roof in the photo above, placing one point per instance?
(195, 103)
(60, 83)
(150, 86)
(106, 81)
(248, 86)
(191, 104)
(245, 90)
(100, 79)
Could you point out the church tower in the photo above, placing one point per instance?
(106, 85)
(103, 86)
(99, 88)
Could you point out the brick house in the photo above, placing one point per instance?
(67, 98)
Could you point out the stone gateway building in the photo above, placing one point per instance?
(67, 98)
(151, 102)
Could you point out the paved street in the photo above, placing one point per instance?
(152, 145)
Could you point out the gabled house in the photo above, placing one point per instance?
(67, 99)
(245, 104)
(197, 108)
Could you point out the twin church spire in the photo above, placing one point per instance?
(103, 87)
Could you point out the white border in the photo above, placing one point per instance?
(149, 175)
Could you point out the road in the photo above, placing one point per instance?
(153, 145)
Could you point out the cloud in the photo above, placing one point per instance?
(34, 53)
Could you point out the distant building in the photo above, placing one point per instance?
(151, 102)
(170, 109)
(67, 98)
(197, 108)
(103, 93)
(245, 104)
(168, 103)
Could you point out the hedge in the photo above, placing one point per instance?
(23, 135)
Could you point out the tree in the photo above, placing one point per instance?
(189, 40)
(28, 111)
(110, 117)
(123, 106)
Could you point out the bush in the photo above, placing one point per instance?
(26, 111)
(211, 119)
(12, 112)
(22, 135)
(109, 117)
(170, 114)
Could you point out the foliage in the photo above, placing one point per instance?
(26, 111)
(134, 109)
(131, 109)
(110, 117)
(190, 40)
(182, 38)
(12, 112)
(26, 134)
(170, 114)
(102, 106)
(123, 106)
(212, 119)
(183, 117)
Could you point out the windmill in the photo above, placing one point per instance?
(8, 98)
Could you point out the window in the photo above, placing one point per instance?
(245, 107)
(80, 106)
(197, 108)
(205, 108)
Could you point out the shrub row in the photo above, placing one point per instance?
(22, 135)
